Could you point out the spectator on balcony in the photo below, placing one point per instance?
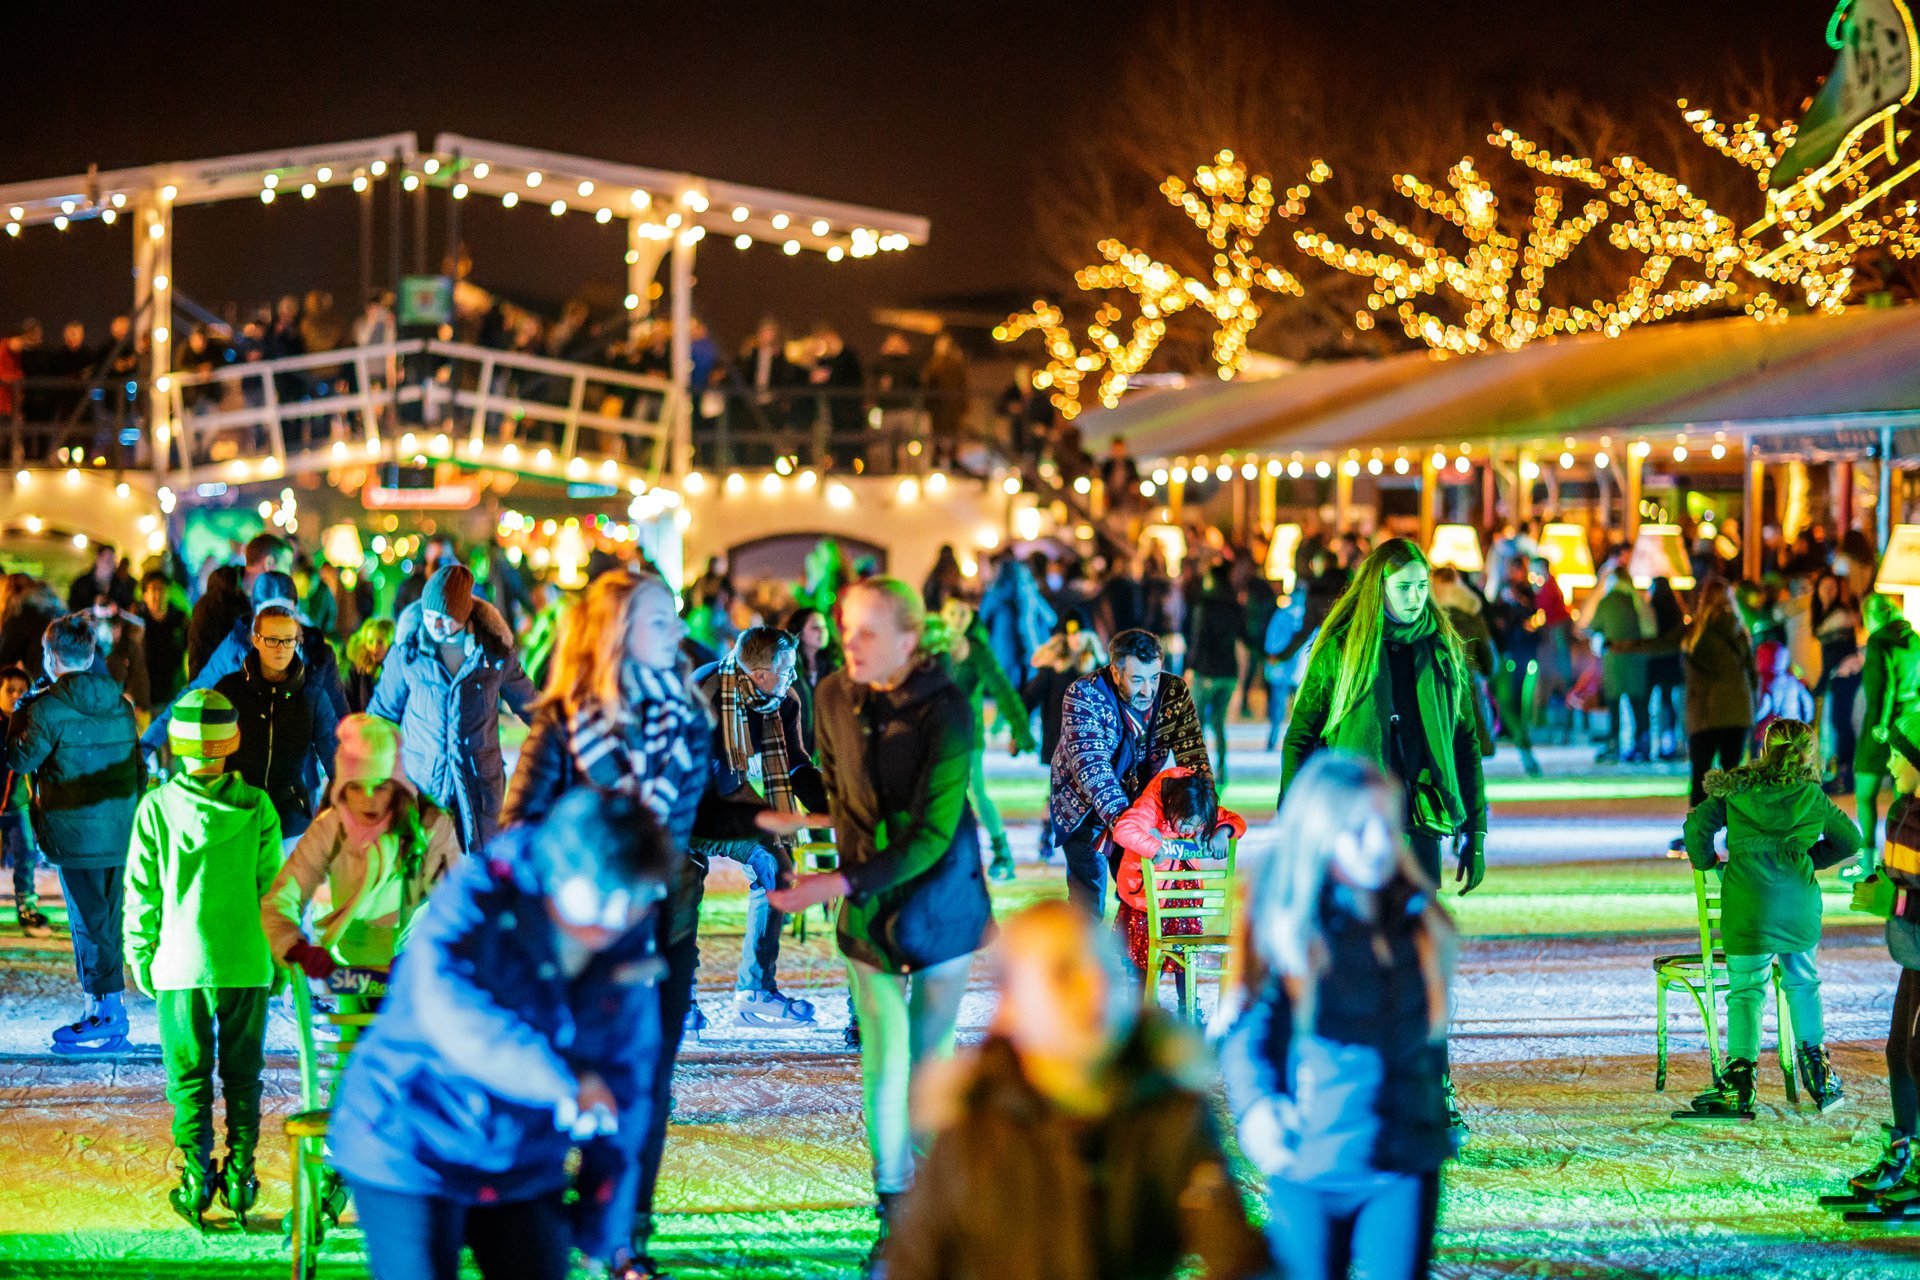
(572, 338)
(1028, 414)
(321, 329)
(945, 379)
(30, 348)
(105, 579)
(376, 325)
(837, 375)
(283, 339)
(765, 372)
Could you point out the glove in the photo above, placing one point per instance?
(1471, 855)
(313, 961)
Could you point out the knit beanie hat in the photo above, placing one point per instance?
(1904, 737)
(369, 752)
(274, 587)
(204, 726)
(450, 591)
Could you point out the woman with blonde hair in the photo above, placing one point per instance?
(621, 713)
(896, 738)
(1336, 1066)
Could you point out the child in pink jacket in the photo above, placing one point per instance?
(1178, 805)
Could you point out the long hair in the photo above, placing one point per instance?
(375, 634)
(1715, 599)
(910, 614)
(1357, 621)
(593, 643)
(1788, 745)
(1281, 931)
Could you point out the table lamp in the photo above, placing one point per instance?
(1660, 552)
(1280, 553)
(1457, 545)
(1564, 547)
(1170, 540)
(1899, 573)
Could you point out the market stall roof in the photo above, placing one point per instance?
(1737, 375)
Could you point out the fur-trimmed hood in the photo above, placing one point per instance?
(1757, 775)
(488, 626)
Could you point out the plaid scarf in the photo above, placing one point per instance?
(640, 747)
(736, 695)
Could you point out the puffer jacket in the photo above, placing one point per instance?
(1781, 829)
(204, 849)
(78, 739)
(450, 724)
(1014, 1188)
(288, 734)
(453, 1091)
(897, 764)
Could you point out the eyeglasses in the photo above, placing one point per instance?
(276, 642)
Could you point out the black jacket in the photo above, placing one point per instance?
(897, 764)
(166, 647)
(808, 786)
(1215, 626)
(287, 730)
(1014, 1189)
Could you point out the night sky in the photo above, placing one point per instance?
(948, 110)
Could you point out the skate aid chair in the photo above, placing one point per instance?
(327, 1038)
(815, 855)
(1188, 885)
(1702, 975)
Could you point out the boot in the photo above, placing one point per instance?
(1730, 1099)
(884, 1211)
(1001, 868)
(194, 1196)
(1894, 1172)
(1822, 1081)
(239, 1188)
(1455, 1120)
(102, 1028)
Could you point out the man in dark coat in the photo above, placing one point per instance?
(104, 579)
(75, 735)
(1118, 727)
(288, 728)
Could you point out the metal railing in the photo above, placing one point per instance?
(73, 422)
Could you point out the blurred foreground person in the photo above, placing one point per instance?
(1078, 1141)
(517, 1030)
(1336, 1066)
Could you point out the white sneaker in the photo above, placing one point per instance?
(771, 1009)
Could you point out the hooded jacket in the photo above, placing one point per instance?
(1891, 688)
(204, 851)
(366, 904)
(980, 675)
(897, 763)
(450, 723)
(288, 732)
(1015, 1189)
(1781, 829)
(78, 739)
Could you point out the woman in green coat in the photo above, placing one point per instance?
(1781, 829)
(1890, 688)
(980, 676)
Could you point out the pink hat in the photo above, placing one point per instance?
(369, 753)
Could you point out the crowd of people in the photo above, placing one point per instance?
(225, 798)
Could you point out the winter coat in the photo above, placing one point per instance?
(1781, 828)
(1016, 1189)
(1447, 719)
(121, 652)
(323, 672)
(1721, 680)
(1098, 769)
(22, 633)
(482, 1035)
(1362, 1091)
(897, 764)
(1285, 644)
(165, 643)
(1890, 689)
(809, 788)
(980, 676)
(1617, 620)
(450, 724)
(1142, 828)
(288, 732)
(204, 850)
(78, 740)
(366, 902)
(547, 770)
(1215, 626)
(1017, 617)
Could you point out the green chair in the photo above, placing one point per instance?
(1702, 975)
(327, 1039)
(815, 855)
(1183, 885)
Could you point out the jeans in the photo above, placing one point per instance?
(414, 1237)
(1213, 697)
(95, 899)
(766, 869)
(16, 845)
(905, 1020)
(1089, 867)
(982, 800)
(1747, 978)
(1703, 749)
(1842, 693)
(1903, 1053)
(209, 1030)
(1381, 1231)
(676, 997)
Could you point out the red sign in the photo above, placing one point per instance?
(457, 495)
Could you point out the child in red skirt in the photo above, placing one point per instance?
(1178, 805)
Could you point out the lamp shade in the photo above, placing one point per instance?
(1457, 545)
(1568, 558)
(1900, 567)
(1280, 553)
(1170, 540)
(1660, 552)
(341, 546)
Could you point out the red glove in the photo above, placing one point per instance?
(314, 961)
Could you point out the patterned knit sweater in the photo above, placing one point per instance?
(1094, 768)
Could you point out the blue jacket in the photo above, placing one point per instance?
(1017, 617)
(453, 1091)
(450, 724)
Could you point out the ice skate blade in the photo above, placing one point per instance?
(107, 1048)
(1712, 1117)
(1883, 1213)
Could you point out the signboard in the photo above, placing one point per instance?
(1877, 72)
(455, 495)
(426, 300)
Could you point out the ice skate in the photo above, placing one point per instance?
(1456, 1121)
(33, 921)
(1823, 1082)
(1001, 868)
(771, 1009)
(194, 1196)
(239, 1186)
(696, 1022)
(104, 1021)
(1892, 1173)
(1729, 1100)
(888, 1206)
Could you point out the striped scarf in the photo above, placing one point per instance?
(640, 747)
(736, 697)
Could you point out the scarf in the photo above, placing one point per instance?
(357, 833)
(638, 748)
(738, 699)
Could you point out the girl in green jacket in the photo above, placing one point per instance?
(1781, 830)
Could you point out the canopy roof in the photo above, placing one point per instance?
(1858, 370)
